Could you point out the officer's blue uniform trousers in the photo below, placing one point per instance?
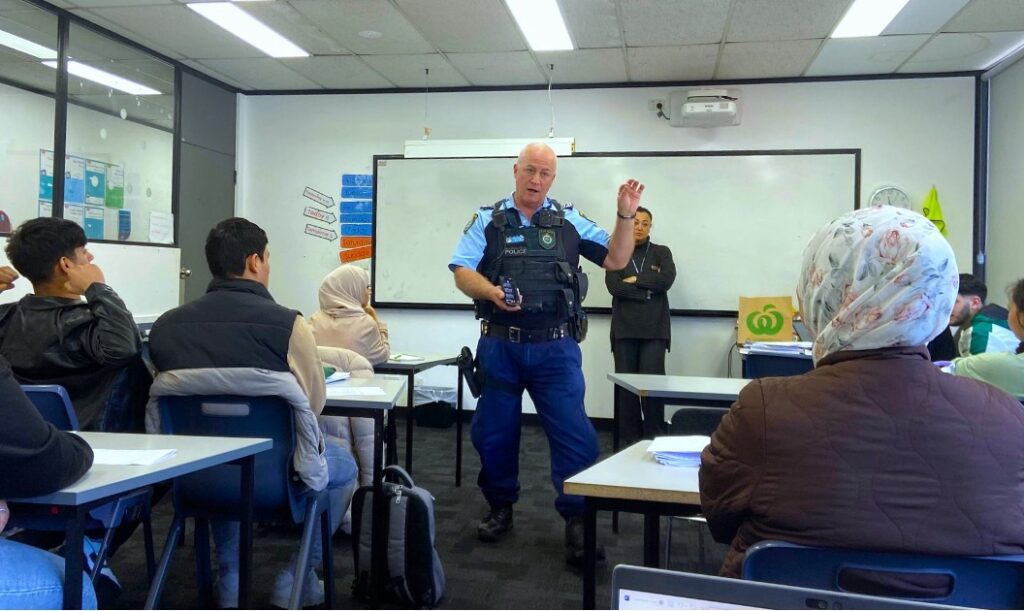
(553, 375)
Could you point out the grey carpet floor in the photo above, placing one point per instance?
(525, 571)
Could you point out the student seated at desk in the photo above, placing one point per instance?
(90, 347)
(876, 448)
(35, 459)
(1000, 369)
(346, 319)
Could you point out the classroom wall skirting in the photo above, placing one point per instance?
(914, 133)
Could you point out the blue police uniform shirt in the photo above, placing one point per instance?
(470, 250)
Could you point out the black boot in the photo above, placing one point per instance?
(495, 524)
(574, 543)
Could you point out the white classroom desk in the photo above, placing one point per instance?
(104, 482)
(633, 481)
(410, 369)
(376, 407)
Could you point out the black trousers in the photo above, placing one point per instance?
(639, 356)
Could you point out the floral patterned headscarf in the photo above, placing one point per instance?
(876, 278)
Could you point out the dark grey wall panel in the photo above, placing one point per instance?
(207, 115)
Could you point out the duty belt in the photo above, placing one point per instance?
(523, 336)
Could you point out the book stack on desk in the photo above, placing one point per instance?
(679, 451)
(779, 347)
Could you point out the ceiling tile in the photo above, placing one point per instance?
(127, 33)
(465, 26)
(110, 3)
(178, 28)
(872, 55)
(592, 23)
(408, 70)
(771, 20)
(485, 69)
(306, 33)
(227, 80)
(338, 72)
(586, 65)
(689, 63)
(923, 16)
(956, 52)
(344, 19)
(988, 16)
(36, 26)
(651, 23)
(30, 73)
(766, 59)
(261, 73)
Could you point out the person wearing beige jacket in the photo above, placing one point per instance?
(346, 319)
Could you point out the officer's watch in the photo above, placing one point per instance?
(625, 218)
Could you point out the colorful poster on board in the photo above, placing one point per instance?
(124, 225)
(45, 209)
(115, 186)
(45, 175)
(74, 180)
(94, 222)
(75, 212)
(95, 182)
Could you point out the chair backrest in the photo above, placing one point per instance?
(53, 404)
(695, 421)
(216, 491)
(989, 582)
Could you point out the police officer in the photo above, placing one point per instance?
(519, 261)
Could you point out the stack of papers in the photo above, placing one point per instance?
(338, 376)
(405, 358)
(679, 451)
(130, 457)
(780, 347)
(356, 391)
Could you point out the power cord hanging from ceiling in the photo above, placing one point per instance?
(551, 77)
(426, 107)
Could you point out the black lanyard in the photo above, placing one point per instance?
(642, 261)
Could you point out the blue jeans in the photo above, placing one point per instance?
(31, 578)
(341, 475)
(553, 375)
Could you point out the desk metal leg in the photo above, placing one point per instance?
(391, 439)
(652, 534)
(589, 554)
(378, 543)
(616, 397)
(245, 543)
(458, 428)
(409, 420)
(73, 558)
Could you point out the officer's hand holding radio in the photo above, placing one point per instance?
(506, 296)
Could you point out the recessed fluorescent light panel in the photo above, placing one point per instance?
(105, 78)
(867, 18)
(26, 46)
(541, 23)
(248, 28)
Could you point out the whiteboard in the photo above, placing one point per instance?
(736, 221)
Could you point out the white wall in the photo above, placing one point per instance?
(914, 133)
(1006, 182)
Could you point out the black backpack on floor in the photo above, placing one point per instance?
(413, 575)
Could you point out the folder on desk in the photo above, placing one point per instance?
(679, 450)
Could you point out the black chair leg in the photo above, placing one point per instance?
(328, 556)
(299, 571)
(147, 533)
(173, 537)
(101, 556)
(203, 572)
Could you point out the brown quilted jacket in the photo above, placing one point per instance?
(873, 449)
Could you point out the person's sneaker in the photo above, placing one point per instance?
(226, 590)
(495, 524)
(312, 590)
(574, 543)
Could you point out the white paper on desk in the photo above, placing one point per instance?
(131, 457)
(780, 347)
(405, 358)
(357, 391)
(338, 376)
(679, 443)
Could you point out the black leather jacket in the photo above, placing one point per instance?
(84, 346)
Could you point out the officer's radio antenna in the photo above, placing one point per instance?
(551, 77)
(426, 94)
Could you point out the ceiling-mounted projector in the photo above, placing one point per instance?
(704, 108)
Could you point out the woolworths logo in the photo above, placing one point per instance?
(766, 322)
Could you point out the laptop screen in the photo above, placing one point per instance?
(635, 599)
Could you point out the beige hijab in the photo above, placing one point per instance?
(343, 291)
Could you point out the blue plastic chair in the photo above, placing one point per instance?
(215, 493)
(55, 406)
(986, 582)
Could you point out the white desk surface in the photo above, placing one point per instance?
(393, 386)
(194, 453)
(680, 387)
(633, 474)
(426, 362)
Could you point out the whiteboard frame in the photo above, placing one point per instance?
(855, 153)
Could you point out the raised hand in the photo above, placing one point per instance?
(7, 278)
(629, 197)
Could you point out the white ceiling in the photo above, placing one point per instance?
(467, 43)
